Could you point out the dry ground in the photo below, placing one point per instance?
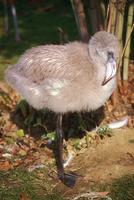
(110, 159)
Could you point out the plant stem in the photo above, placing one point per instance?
(128, 40)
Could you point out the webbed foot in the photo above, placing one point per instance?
(68, 179)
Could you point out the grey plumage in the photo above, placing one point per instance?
(65, 77)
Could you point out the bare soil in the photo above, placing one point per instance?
(112, 158)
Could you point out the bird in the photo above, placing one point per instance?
(71, 77)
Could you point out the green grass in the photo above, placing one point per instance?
(19, 181)
(36, 27)
(119, 189)
(35, 186)
(123, 188)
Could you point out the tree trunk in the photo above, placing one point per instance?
(93, 15)
(115, 25)
(15, 21)
(111, 16)
(127, 50)
(6, 18)
(100, 14)
(79, 14)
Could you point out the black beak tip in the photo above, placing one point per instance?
(104, 82)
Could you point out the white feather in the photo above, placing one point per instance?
(119, 123)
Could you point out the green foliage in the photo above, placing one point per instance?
(49, 136)
(19, 181)
(119, 189)
(20, 133)
(123, 188)
(77, 144)
(104, 131)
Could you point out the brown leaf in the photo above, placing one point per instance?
(17, 162)
(103, 194)
(5, 165)
(23, 197)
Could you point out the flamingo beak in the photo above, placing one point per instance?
(111, 70)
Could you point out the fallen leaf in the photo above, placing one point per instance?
(23, 197)
(17, 162)
(103, 194)
(5, 165)
(22, 152)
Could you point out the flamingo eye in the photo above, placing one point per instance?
(110, 55)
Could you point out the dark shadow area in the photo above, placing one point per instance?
(38, 24)
(37, 123)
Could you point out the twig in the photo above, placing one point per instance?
(123, 51)
(107, 15)
(110, 19)
(92, 196)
